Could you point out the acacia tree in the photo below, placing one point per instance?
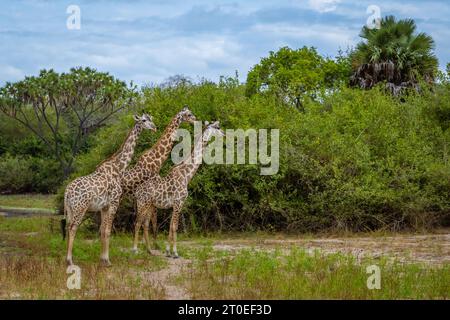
(292, 75)
(62, 110)
(395, 53)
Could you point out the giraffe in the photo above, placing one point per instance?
(170, 191)
(151, 161)
(101, 191)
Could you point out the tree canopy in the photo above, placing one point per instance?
(395, 53)
(292, 75)
(62, 110)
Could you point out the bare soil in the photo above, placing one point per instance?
(165, 278)
(429, 249)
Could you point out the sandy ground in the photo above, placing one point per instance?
(430, 249)
(165, 278)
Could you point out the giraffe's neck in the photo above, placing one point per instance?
(188, 168)
(117, 163)
(154, 158)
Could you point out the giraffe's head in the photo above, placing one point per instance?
(186, 115)
(212, 129)
(146, 121)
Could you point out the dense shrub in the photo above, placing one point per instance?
(358, 160)
(34, 168)
(16, 174)
(47, 175)
(28, 174)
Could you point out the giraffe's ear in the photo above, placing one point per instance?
(136, 118)
(185, 107)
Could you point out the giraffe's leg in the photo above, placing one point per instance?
(75, 221)
(154, 217)
(170, 239)
(147, 240)
(140, 216)
(72, 229)
(168, 243)
(173, 229)
(105, 232)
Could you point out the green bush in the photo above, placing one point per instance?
(47, 175)
(16, 174)
(358, 160)
(28, 174)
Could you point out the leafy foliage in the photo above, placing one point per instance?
(25, 173)
(294, 75)
(394, 53)
(359, 160)
(62, 110)
(15, 173)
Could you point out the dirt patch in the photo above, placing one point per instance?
(11, 248)
(164, 278)
(430, 249)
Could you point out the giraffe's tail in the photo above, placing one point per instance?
(66, 217)
(63, 228)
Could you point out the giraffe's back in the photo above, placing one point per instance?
(91, 192)
(161, 192)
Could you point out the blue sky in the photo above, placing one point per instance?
(149, 41)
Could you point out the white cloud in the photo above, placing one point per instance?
(323, 5)
(157, 59)
(193, 56)
(112, 61)
(11, 73)
(333, 36)
(148, 41)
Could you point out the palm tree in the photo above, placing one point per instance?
(393, 53)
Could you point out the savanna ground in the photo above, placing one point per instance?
(217, 266)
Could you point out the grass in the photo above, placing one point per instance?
(33, 201)
(32, 267)
(296, 274)
(32, 264)
(45, 278)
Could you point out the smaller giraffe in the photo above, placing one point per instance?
(101, 191)
(170, 191)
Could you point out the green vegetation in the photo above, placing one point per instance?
(60, 112)
(34, 201)
(296, 274)
(359, 160)
(350, 159)
(294, 75)
(32, 266)
(394, 53)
